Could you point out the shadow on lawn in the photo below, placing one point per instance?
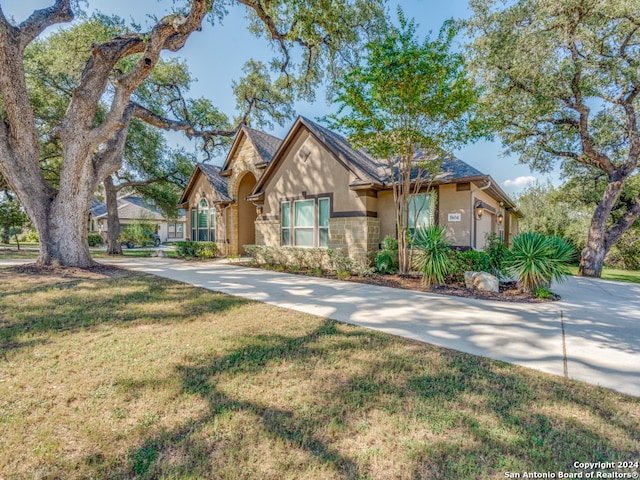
(460, 416)
(67, 303)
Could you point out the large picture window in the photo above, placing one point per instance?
(305, 223)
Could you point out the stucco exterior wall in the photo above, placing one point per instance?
(386, 214)
(453, 202)
(488, 223)
(308, 169)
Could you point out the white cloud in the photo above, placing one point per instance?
(519, 181)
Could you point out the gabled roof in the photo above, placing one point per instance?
(371, 172)
(266, 145)
(130, 207)
(212, 173)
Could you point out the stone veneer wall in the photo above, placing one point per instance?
(232, 229)
(359, 236)
(268, 232)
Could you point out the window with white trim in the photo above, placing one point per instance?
(285, 223)
(305, 223)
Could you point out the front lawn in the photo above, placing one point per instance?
(114, 374)
(631, 276)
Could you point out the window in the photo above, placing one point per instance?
(323, 222)
(419, 211)
(175, 230)
(203, 220)
(285, 215)
(309, 221)
(303, 220)
(194, 225)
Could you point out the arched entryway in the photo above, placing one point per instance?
(247, 213)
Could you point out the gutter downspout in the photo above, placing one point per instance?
(472, 230)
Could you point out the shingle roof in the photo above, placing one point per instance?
(266, 145)
(376, 170)
(130, 207)
(218, 183)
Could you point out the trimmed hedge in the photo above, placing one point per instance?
(202, 250)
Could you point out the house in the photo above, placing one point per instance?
(313, 189)
(132, 209)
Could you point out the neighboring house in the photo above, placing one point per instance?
(313, 189)
(132, 209)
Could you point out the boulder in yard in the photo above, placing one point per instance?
(159, 253)
(481, 281)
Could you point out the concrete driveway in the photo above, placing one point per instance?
(600, 319)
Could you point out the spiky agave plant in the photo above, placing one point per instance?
(431, 255)
(536, 260)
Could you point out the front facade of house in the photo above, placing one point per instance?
(132, 209)
(312, 189)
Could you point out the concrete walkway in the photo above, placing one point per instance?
(601, 318)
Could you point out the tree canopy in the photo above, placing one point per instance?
(562, 79)
(89, 125)
(410, 103)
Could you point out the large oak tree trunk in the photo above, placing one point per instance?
(600, 240)
(113, 220)
(63, 234)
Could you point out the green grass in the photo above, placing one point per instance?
(13, 253)
(113, 374)
(631, 276)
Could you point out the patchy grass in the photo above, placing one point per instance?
(14, 253)
(114, 374)
(631, 276)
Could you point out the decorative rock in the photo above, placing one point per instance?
(159, 253)
(482, 281)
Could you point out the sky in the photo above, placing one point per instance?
(216, 54)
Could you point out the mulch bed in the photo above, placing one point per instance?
(509, 292)
(96, 271)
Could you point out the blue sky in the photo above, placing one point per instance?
(216, 55)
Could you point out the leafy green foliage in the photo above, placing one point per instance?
(536, 260)
(202, 250)
(431, 254)
(386, 261)
(94, 239)
(497, 253)
(410, 103)
(467, 261)
(562, 82)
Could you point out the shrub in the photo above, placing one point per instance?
(468, 261)
(207, 250)
(536, 260)
(362, 268)
(31, 237)
(202, 250)
(431, 254)
(497, 253)
(339, 261)
(94, 239)
(386, 261)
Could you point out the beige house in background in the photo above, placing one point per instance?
(313, 189)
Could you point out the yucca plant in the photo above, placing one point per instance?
(431, 255)
(536, 260)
